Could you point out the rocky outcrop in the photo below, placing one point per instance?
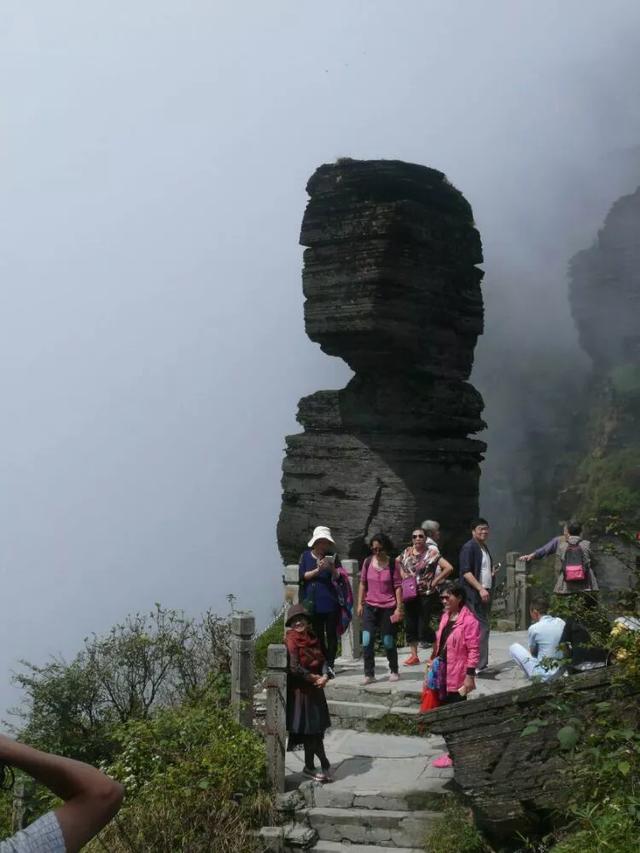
(604, 288)
(604, 488)
(392, 287)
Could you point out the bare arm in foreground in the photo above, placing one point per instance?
(91, 799)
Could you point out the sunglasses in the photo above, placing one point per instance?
(376, 548)
(418, 536)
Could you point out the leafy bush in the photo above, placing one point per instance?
(147, 662)
(604, 771)
(273, 634)
(191, 775)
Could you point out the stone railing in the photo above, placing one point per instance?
(511, 601)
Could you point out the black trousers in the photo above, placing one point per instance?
(325, 627)
(378, 619)
(418, 613)
(314, 745)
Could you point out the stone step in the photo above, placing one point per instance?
(338, 847)
(430, 797)
(377, 827)
(355, 715)
(373, 695)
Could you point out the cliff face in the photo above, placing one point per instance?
(392, 287)
(605, 301)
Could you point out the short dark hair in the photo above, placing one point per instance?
(457, 589)
(539, 601)
(477, 522)
(384, 540)
(574, 527)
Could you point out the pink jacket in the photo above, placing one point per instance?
(463, 647)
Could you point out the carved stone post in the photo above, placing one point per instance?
(18, 813)
(243, 625)
(522, 595)
(351, 639)
(510, 586)
(276, 722)
(291, 587)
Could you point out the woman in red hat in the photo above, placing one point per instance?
(307, 711)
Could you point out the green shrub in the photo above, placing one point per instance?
(191, 774)
(273, 634)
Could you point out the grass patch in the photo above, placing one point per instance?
(454, 831)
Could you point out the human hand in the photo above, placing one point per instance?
(322, 680)
(469, 684)
(526, 557)
(360, 610)
(485, 595)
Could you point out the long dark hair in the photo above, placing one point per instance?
(384, 540)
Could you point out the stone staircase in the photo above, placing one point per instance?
(353, 705)
(386, 794)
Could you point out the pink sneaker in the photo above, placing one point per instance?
(394, 677)
(443, 761)
(368, 679)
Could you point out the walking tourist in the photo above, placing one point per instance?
(307, 711)
(573, 560)
(542, 659)
(456, 652)
(476, 574)
(324, 586)
(422, 571)
(380, 606)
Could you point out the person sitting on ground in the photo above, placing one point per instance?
(476, 574)
(573, 560)
(578, 645)
(307, 710)
(422, 560)
(91, 799)
(380, 606)
(321, 576)
(541, 660)
(457, 651)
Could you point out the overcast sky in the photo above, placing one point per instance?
(154, 160)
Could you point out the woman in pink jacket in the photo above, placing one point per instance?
(456, 652)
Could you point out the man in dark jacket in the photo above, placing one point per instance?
(476, 574)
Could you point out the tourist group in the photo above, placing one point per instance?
(416, 589)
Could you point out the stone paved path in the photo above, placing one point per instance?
(386, 792)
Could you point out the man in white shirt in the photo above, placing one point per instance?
(542, 660)
(91, 799)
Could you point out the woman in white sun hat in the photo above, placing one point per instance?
(321, 575)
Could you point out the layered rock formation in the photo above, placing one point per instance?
(392, 287)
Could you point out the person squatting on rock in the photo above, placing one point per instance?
(307, 711)
(90, 798)
(380, 606)
(456, 652)
(573, 560)
(324, 591)
(542, 659)
(422, 560)
(476, 575)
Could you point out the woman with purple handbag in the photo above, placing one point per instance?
(421, 571)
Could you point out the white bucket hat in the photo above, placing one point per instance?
(321, 533)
